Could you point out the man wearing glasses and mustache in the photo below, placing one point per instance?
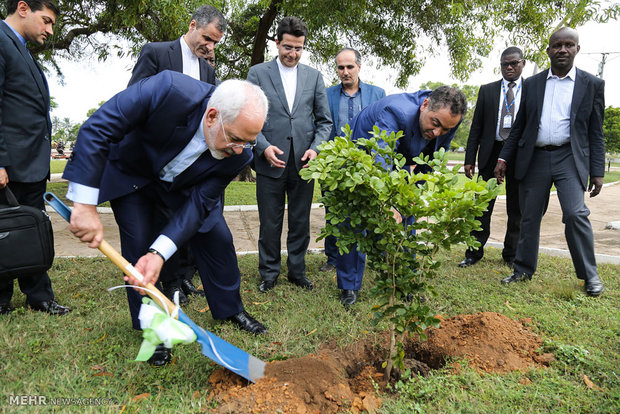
(163, 151)
(496, 109)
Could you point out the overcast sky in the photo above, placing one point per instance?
(89, 82)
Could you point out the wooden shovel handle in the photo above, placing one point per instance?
(128, 268)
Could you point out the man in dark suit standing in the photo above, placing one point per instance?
(298, 122)
(25, 130)
(497, 106)
(163, 151)
(557, 140)
(189, 55)
(186, 54)
(346, 100)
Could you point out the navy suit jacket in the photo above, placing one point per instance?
(586, 126)
(25, 125)
(401, 112)
(158, 56)
(369, 93)
(124, 145)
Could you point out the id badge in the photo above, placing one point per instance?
(507, 122)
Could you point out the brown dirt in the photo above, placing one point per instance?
(337, 380)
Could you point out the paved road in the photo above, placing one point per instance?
(243, 222)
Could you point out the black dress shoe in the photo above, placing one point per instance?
(516, 277)
(189, 288)
(303, 282)
(169, 292)
(50, 306)
(327, 267)
(244, 321)
(160, 357)
(348, 297)
(468, 261)
(266, 285)
(5, 308)
(594, 286)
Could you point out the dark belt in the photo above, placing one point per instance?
(552, 147)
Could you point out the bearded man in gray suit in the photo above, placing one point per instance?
(298, 122)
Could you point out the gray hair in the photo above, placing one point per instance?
(358, 56)
(448, 97)
(209, 14)
(234, 95)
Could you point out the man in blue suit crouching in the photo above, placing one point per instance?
(167, 144)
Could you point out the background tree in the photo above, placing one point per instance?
(399, 33)
(611, 130)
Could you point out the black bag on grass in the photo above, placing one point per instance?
(26, 239)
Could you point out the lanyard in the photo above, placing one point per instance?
(508, 106)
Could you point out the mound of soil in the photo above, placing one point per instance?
(337, 380)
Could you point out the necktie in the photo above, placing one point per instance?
(508, 109)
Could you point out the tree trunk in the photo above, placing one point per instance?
(265, 23)
(246, 175)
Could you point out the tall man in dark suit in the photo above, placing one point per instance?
(189, 55)
(25, 130)
(429, 120)
(497, 106)
(297, 124)
(163, 151)
(346, 100)
(557, 140)
(186, 54)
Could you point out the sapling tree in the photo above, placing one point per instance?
(438, 211)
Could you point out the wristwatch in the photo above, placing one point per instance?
(151, 250)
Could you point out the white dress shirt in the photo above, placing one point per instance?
(502, 101)
(289, 81)
(191, 65)
(554, 127)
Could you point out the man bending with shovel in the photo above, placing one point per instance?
(168, 144)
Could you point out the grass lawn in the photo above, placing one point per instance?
(89, 353)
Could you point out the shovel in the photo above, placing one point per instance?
(215, 348)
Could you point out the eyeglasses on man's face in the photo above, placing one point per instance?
(241, 144)
(513, 63)
(297, 49)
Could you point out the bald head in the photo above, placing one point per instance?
(562, 49)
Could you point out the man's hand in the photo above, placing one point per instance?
(500, 171)
(469, 170)
(4, 178)
(596, 183)
(270, 155)
(309, 155)
(149, 266)
(86, 224)
(397, 216)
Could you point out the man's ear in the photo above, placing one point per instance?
(211, 117)
(424, 105)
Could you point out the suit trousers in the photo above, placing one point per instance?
(141, 216)
(513, 211)
(271, 194)
(37, 288)
(557, 168)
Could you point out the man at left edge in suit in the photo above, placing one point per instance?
(169, 143)
(188, 54)
(496, 108)
(558, 140)
(25, 130)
